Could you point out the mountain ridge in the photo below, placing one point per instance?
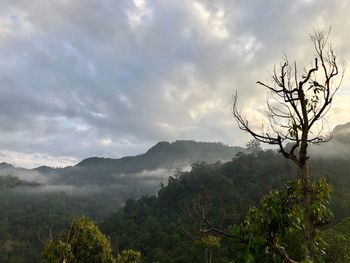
(183, 148)
(157, 162)
(165, 155)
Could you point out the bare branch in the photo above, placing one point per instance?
(296, 111)
(281, 252)
(219, 231)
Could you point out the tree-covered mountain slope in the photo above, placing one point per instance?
(167, 227)
(165, 224)
(162, 157)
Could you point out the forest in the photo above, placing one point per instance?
(168, 226)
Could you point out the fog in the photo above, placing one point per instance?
(122, 186)
(337, 147)
(25, 175)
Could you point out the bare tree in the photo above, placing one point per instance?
(296, 108)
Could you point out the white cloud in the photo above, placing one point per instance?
(106, 141)
(213, 21)
(138, 14)
(32, 160)
(205, 107)
(15, 23)
(111, 78)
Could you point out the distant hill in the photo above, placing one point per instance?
(166, 155)
(135, 176)
(341, 133)
(139, 174)
(172, 219)
(102, 185)
(338, 146)
(4, 165)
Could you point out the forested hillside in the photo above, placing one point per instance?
(168, 226)
(37, 204)
(107, 183)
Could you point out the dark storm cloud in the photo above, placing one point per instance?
(110, 78)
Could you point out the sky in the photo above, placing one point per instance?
(81, 78)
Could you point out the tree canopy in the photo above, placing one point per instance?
(81, 242)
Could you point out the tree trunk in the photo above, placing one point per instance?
(309, 228)
(309, 231)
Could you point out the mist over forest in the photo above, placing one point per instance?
(152, 131)
(45, 198)
(116, 180)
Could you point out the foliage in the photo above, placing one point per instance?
(280, 217)
(81, 242)
(166, 227)
(129, 256)
(58, 252)
(338, 242)
(209, 243)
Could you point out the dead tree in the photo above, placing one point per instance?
(296, 108)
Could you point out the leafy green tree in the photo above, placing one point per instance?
(129, 256)
(81, 242)
(279, 218)
(209, 243)
(338, 242)
(296, 109)
(58, 252)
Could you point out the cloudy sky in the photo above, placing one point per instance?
(82, 78)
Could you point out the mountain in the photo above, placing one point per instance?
(341, 133)
(4, 165)
(96, 170)
(166, 155)
(337, 147)
(164, 222)
(120, 179)
(169, 226)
